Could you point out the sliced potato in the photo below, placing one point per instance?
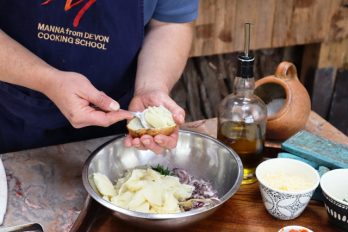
(144, 208)
(159, 117)
(137, 200)
(184, 192)
(136, 132)
(160, 120)
(152, 175)
(135, 185)
(171, 204)
(122, 199)
(153, 194)
(103, 185)
(137, 174)
(144, 191)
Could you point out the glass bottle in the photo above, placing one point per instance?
(242, 116)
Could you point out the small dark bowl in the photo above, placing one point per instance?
(335, 191)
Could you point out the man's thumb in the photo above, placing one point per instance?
(104, 102)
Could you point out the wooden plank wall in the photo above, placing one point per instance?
(320, 25)
(334, 54)
(277, 23)
(339, 107)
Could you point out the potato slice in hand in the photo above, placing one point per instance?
(159, 119)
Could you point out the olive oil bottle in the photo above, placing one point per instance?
(242, 116)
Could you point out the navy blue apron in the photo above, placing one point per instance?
(97, 38)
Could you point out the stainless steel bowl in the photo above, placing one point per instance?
(201, 155)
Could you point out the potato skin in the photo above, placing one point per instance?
(150, 131)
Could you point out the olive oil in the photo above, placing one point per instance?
(242, 116)
(247, 139)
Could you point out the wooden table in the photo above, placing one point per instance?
(245, 211)
(45, 186)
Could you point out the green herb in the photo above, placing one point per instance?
(162, 170)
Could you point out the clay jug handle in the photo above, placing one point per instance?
(286, 71)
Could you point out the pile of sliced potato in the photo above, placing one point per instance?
(144, 190)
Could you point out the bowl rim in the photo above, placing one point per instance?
(155, 216)
(315, 185)
(323, 187)
(297, 227)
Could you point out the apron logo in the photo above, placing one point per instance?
(69, 4)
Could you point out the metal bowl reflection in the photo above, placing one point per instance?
(201, 155)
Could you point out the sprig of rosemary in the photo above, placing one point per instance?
(164, 171)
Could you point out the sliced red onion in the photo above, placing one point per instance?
(202, 188)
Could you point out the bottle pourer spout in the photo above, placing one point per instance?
(246, 59)
(246, 39)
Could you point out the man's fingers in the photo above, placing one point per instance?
(102, 101)
(149, 143)
(167, 141)
(177, 111)
(99, 118)
(128, 140)
(156, 144)
(119, 115)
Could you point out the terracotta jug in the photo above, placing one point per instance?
(288, 102)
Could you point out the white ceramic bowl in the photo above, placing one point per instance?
(335, 190)
(275, 175)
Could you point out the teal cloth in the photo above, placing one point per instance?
(317, 149)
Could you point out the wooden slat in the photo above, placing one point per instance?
(219, 27)
(323, 87)
(334, 54)
(307, 25)
(214, 28)
(192, 82)
(339, 106)
(282, 23)
(260, 14)
(210, 88)
(309, 64)
(338, 26)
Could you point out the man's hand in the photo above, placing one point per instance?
(160, 142)
(81, 103)
(160, 64)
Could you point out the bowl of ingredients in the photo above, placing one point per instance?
(335, 190)
(166, 191)
(286, 186)
(294, 229)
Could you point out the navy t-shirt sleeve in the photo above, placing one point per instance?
(175, 11)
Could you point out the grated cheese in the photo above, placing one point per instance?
(285, 182)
